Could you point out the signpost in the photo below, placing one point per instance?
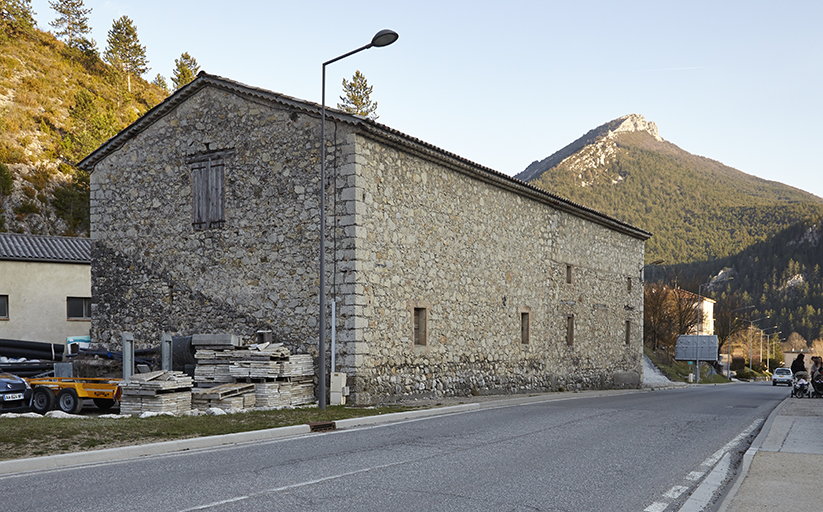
(696, 348)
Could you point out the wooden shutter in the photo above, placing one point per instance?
(207, 194)
(215, 171)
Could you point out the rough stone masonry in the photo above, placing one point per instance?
(448, 278)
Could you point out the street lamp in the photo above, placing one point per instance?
(652, 264)
(700, 300)
(751, 326)
(729, 341)
(769, 346)
(382, 38)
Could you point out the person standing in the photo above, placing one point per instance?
(798, 365)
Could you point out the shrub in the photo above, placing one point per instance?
(40, 178)
(26, 208)
(11, 153)
(6, 180)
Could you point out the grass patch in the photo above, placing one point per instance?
(34, 437)
(679, 371)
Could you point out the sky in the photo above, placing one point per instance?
(506, 83)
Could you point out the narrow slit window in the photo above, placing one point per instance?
(628, 332)
(568, 273)
(524, 328)
(629, 284)
(570, 330)
(420, 326)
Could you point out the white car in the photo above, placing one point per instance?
(782, 376)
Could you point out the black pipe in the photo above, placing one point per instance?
(32, 345)
(30, 354)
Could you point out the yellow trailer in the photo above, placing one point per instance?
(67, 393)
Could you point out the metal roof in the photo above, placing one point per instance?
(55, 249)
(368, 126)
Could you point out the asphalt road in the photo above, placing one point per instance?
(633, 452)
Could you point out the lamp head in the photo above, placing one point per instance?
(384, 38)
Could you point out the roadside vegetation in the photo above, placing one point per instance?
(22, 437)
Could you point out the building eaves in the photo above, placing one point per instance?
(52, 249)
(369, 127)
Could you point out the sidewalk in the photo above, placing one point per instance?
(779, 471)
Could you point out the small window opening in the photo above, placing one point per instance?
(629, 284)
(4, 307)
(570, 330)
(628, 332)
(420, 326)
(524, 328)
(568, 273)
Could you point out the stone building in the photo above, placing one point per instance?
(448, 277)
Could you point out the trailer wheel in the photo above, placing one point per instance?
(103, 403)
(69, 402)
(42, 400)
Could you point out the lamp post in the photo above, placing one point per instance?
(700, 299)
(769, 347)
(382, 38)
(652, 264)
(751, 326)
(729, 348)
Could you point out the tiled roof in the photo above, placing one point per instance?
(57, 249)
(373, 128)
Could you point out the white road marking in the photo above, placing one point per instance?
(675, 492)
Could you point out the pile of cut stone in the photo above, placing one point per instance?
(278, 378)
(159, 392)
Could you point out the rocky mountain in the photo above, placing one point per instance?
(707, 218)
(697, 208)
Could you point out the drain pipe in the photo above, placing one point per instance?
(333, 335)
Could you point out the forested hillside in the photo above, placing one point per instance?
(697, 208)
(58, 102)
(706, 218)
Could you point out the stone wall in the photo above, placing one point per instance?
(406, 229)
(153, 272)
(478, 256)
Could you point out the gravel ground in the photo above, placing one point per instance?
(651, 375)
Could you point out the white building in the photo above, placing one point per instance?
(45, 287)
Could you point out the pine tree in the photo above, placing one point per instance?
(160, 82)
(16, 15)
(357, 99)
(72, 22)
(185, 70)
(124, 49)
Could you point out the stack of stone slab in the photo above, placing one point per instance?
(158, 392)
(225, 396)
(279, 378)
(213, 353)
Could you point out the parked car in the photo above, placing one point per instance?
(15, 393)
(782, 376)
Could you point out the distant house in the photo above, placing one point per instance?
(45, 287)
(448, 277)
(705, 313)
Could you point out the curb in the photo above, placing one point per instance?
(127, 452)
(749, 455)
(20, 466)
